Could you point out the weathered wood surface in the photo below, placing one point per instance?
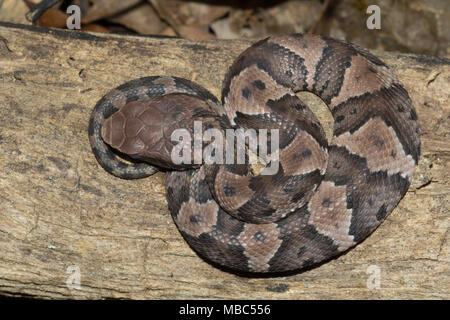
(60, 209)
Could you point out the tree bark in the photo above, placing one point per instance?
(62, 216)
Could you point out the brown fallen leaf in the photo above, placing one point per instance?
(142, 19)
(283, 18)
(14, 11)
(189, 19)
(100, 9)
(51, 18)
(55, 18)
(195, 32)
(94, 27)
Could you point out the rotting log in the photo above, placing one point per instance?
(60, 212)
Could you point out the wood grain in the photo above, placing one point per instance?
(60, 210)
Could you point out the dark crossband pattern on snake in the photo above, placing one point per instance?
(324, 198)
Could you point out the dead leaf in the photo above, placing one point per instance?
(51, 18)
(142, 19)
(100, 9)
(189, 19)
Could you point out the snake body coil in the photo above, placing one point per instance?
(323, 199)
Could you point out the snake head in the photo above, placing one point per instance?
(122, 129)
(142, 130)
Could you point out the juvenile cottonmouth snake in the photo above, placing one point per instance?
(323, 200)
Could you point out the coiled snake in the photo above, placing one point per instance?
(322, 200)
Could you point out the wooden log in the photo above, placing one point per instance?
(63, 218)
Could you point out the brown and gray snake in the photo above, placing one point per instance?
(325, 197)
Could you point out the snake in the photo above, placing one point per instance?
(324, 197)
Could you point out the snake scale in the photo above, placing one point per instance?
(324, 198)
